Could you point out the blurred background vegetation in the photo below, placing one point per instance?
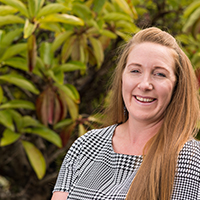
(56, 59)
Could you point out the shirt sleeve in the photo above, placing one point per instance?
(68, 167)
(187, 178)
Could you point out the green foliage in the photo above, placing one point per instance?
(49, 51)
(33, 68)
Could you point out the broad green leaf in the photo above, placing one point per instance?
(20, 82)
(74, 91)
(63, 18)
(6, 10)
(9, 137)
(10, 19)
(108, 34)
(98, 50)
(192, 20)
(36, 159)
(29, 28)
(124, 36)
(29, 121)
(1, 94)
(13, 50)
(116, 16)
(81, 130)
(47, 134)
(17, 118)
(10, 36)
(39, 4)
(46, 54)
(72, 66)
(2, 34)
(124, 6)
(82, 11)
(60, 39)
(73, 108)
(54, 27)
(6, 119)
(127, 26)
(63, 123)
(14, 104)
(191, 8)
(98, 5)
(67, 91)
(17, 62)
(59, 76)
(18, 5)
(50, 9)
(32, 8)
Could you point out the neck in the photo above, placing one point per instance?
(132, 136)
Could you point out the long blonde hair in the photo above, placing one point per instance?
(154, 179)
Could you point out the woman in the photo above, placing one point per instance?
(150, 151)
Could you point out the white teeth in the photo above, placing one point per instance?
(144, 99)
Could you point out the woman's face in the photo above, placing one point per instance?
(148, 81)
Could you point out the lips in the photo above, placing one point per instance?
(145, 99)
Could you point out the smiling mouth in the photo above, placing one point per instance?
(146, 100)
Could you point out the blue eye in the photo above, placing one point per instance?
(160, 74)
(135, 71)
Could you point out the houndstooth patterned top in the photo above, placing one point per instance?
(92, 170)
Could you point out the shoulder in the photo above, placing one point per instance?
(189, 156)
(191, 148)
(95, 134)
(105, 132)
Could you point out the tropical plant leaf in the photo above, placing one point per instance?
(191, 8)
(126, 26)
(10, 36)
(46, 54)
(60, 39)
(63, 18)
(6, 10)
(98, 5)
(82, 11)
(63, 123)
(1, 94)
(17, 62)
(13, 104)
(116, 16)
(72, 66)
(35, 158)
(192, 20)
(81, 130)
(29, 28)
(29, 121)
(68, 91)
(98, 50)
(47, 134)
(73, 108)
(10, 19)
(20, 82)
(18, 5)
(108, 33)
(54, 27)
(13, 50)
(9, 137)
(124, 6)
(50, 9)
(6, 119)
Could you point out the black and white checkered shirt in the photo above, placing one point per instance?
(92, 170)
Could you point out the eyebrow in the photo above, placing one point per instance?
(139, 65)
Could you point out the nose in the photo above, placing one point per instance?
(145, 84)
